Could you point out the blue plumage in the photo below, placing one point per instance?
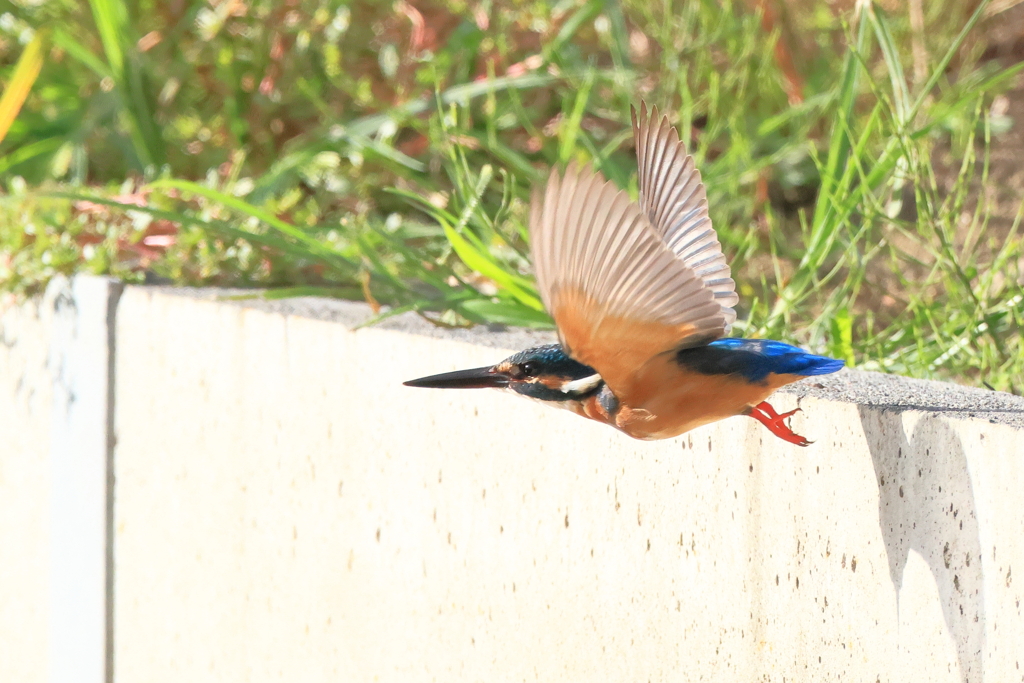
(755, 359)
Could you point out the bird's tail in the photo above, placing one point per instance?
(808, 364)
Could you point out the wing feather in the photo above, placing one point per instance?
(674, 200)
(618, 294)
(627, 281)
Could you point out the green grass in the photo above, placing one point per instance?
(386, 153)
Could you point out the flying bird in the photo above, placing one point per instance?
(642, 298)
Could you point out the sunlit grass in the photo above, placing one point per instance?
(343, 151)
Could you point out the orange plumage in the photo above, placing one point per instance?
(641, 295)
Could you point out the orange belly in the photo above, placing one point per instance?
(683, 400)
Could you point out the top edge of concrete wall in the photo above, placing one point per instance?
(863, 388)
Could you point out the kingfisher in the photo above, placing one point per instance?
(642, 298)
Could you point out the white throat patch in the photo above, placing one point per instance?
(582, 386)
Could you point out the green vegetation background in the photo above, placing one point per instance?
(385, 151)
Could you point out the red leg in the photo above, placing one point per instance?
(766, 415)
(768, 410)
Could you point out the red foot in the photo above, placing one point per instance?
(766, 415)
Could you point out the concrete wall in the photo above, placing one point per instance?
(55, 503)
(25, 404)
(285, 509)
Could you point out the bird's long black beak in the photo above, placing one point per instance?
(477, 378)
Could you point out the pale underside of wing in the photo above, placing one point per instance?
(618, 294)
(673, 198)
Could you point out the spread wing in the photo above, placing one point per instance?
(619, 295)
(628, 282)
(673, 198)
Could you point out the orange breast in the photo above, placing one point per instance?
(674, 400)
(591, 407)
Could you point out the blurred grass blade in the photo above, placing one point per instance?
(784, 118)
(214, 226)
(839, 146)
(421, 202)
(116, 35)
(568, 30)
(65, 41)
(479, 261)
(315, 248)
(834, 175)
(508, 313)
(571, 125)
(292, 292)
(940, 68)
(944, 111)
(619, 34)
(476, 255)
(460, 94)
(30, 151)
(231, 202)
(842, 336)
(901, 96)
(30, 63)
(386, 151)
(111, 17)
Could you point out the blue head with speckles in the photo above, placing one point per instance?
(546, 373)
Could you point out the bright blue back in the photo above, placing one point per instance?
(755, 359)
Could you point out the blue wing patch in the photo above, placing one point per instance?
(755, 359)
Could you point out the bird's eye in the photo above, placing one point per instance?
(529, 369)
(521, 371)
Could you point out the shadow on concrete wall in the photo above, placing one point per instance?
(926, 504)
